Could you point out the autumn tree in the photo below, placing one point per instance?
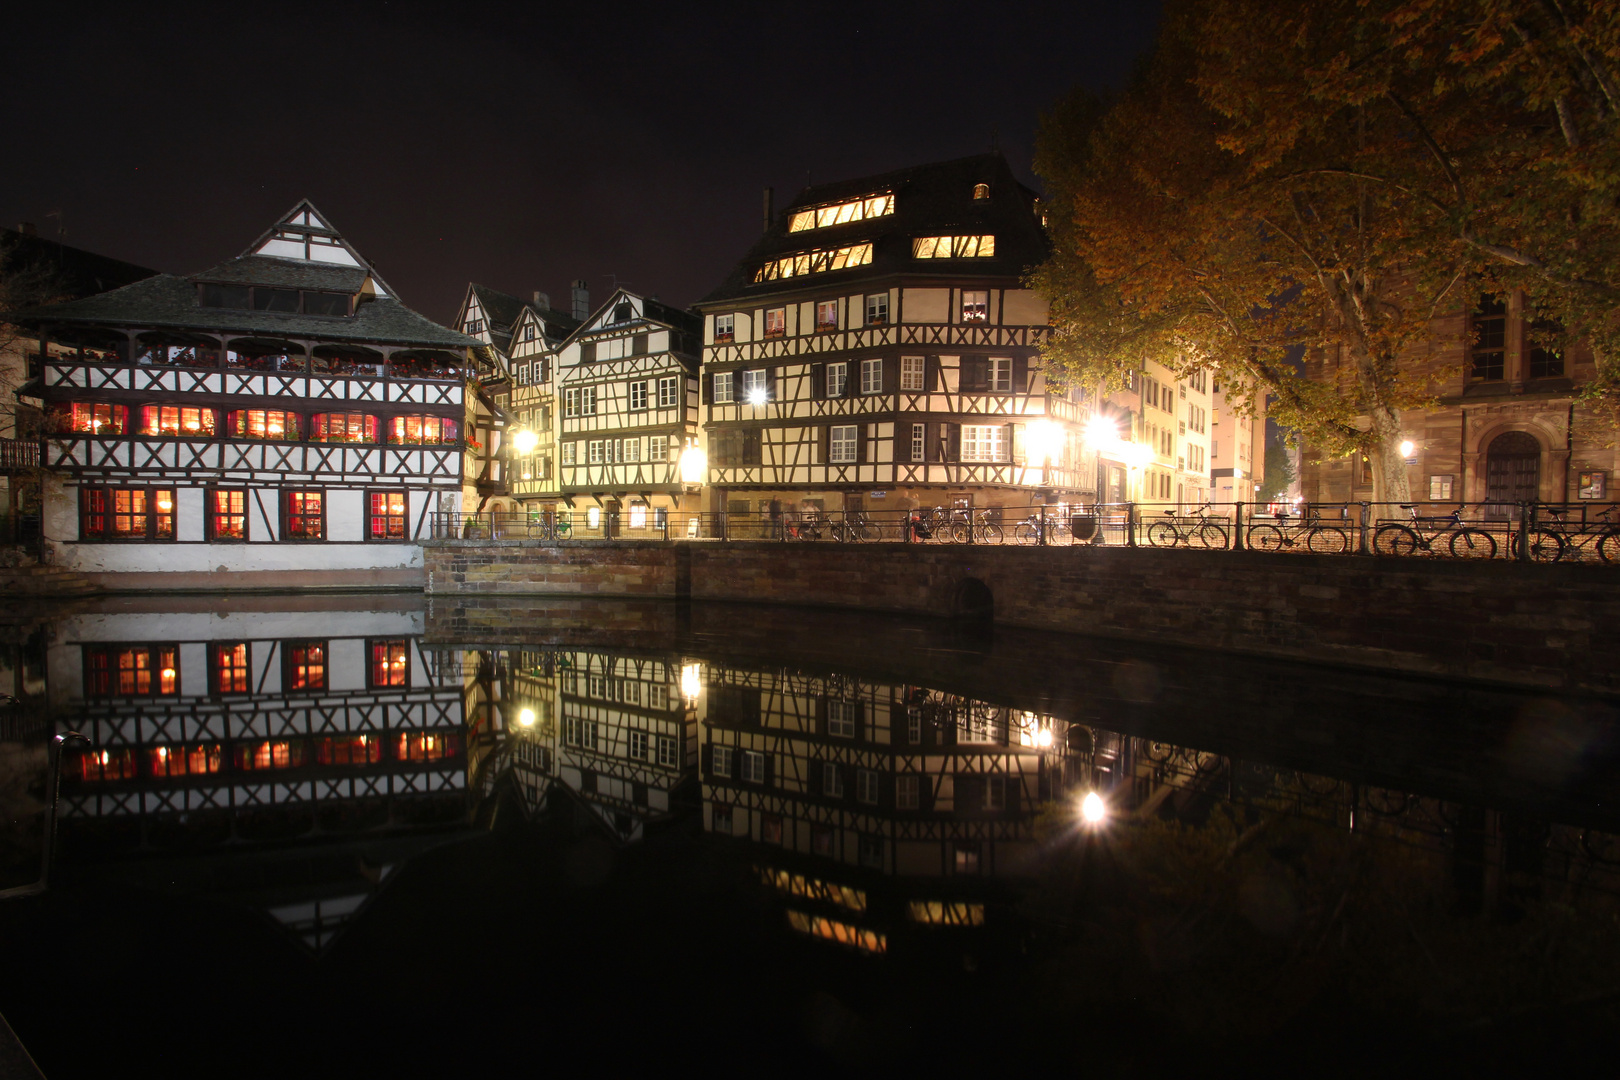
(1280, 179)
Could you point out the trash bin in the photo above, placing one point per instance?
(1082, 526)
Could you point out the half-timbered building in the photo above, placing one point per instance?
(279, 419)
(535, 480)
(877, 349)
(854, 790)
(628, 384)
(506, 325)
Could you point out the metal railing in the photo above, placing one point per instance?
(1527, 532)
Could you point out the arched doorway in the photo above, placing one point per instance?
(1512, 472)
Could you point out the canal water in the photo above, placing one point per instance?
(311, 836)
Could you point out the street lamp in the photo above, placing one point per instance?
(1093, 811)
(691, 683)
(1407, 447)
(1043, 441)
(526, 718)
(694, 465)
(524, 441)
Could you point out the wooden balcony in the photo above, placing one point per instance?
(18, 454)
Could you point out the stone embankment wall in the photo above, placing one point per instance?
(1549, 626)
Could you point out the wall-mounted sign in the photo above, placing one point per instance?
(877, 494)
(1440, 487)
(1594, 484)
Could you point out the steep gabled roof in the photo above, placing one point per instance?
(645, 311)
(301, 251)
(929, 200)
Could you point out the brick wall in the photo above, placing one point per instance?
(1550, 626)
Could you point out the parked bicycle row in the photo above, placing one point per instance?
(1538, 533)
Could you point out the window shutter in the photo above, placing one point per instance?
(931, 438)
(860, 721)
(818, 380)
(708, 761)
(1015, 443)
(953, 442)
(708, 388)
(824, 443)
(860, 443)
(891, 374)
(1020, 374)
(931, 374)
(821, 716)
(773, 383)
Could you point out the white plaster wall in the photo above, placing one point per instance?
(345, 515)
(928, 306)
(1023, 307)
(188, 508)
(228, 558)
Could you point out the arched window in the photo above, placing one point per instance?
(349, 427)
(981, 191)
(422, 430)
(98, 418)
(263, 424)
(177, 420)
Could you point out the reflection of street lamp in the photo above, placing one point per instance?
(691, 683)
(1093, 811)
(526, 718)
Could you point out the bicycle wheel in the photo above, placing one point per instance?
(1544, 546)
(959, 532)
(1026, 533)
(990, 533)
(1266, 538)
(1212, 536)
(863, 533)
(1163, 534)
(1326, 540)
(1395, 540)
(1473, 544)
(1609, 546)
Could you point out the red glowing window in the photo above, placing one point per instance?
(102, 765)
(422, 430)
(387, 515)
(305, 517)
(177, 420)
(286, 754)
(306, 665)
(131, 671)
(96, 418)
(354, 750)
(231, 668)
(343, 427)
(428, 746)
(227, 514)
(184, 760)
(390, 663)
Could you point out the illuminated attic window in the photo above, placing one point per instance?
(820, 217)
(818, 261)
(953, 247)
(981, 191)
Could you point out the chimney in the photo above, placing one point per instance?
(541, 300)
(582, 301)
(767, 210)
(26, 228)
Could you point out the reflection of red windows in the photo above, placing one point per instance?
(231, 674)
(96, 418)
(306, 665)
(227, 514)
(272, 755)
(353, 750)
(390, 663)
(95, 765)
(131, 671)
(184, 760)
(387, 517)
(428, 746)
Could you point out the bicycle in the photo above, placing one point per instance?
(853, 527)
(1029, 530)
(979, 530)
(1319, 539)
(1169, 532)
(1551, 542)
(1396, 538)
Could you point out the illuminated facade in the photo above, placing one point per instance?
(280, 419)
(877, 350)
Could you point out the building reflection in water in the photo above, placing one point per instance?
(244, 731)
(875, 812)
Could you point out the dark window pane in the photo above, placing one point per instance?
(225, 296)
(325, 303)
(275, 299)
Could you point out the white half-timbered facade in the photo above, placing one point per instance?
(535, 479)
(627, 387)
(877, 350)
(279, 419)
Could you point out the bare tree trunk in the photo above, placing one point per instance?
(1390, 484)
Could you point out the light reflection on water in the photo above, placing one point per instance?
(921, 796)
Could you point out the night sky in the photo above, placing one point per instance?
(519, 146)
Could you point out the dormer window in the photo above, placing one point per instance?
(624, 312)
(528, 332)
(981, 191)
(953, 247)
(725, 327)
(285, 301)
(475, 327)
